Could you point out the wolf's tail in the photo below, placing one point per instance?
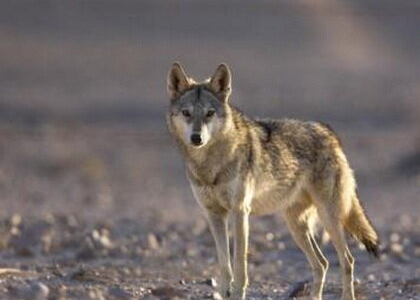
(360, 227)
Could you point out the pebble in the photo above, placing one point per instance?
(397, 248)
(102, 238)
(281, 246)
(15, 220)
(394, 238)
(119, 293)
(211, 282)
(96, 294)
(36, 291)
(106, 242)
(217, 296)
(299, 289)
(152, 241)
(269, 236)
(167, 293)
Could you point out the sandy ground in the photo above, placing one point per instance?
(98, 221)
(94, 203)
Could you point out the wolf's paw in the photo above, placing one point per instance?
(225, 290)
(225, 287)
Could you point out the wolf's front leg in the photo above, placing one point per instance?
(219, 228)
(240, 233)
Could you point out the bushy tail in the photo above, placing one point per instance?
(360, 227)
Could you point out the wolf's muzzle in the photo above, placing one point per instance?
(196, 139)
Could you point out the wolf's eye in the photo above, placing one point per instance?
(186, 113)
(210, 113)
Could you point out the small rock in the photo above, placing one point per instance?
(119, 293)
(269, 236)
(46, 243)
(167, 293)
(281, 246)
(394, 238)
(15, 220)
(152, 241)
(37, 291)
(299, 289)
(182, 282)
(14, 231)
(371, 277)
(217, 296)
(211, 282)
(101, 239)
(397, 248)
(95, 234)
(137, 271)
(325, 238)
(106, 242)
(96, 294)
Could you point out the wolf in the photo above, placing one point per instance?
(238, 166)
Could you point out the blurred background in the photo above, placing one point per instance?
(88, 169)
(83, 95)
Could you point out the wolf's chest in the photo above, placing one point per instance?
(213, 197)
(266, 197)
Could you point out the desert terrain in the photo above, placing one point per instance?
(94, 201)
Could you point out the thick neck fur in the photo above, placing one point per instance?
(206, 165)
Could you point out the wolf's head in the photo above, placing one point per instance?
(199, 112)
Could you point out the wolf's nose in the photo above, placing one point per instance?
(196, 139)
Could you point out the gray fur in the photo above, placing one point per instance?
(248, 166)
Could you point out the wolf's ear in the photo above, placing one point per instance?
(177, 81)
(220, 82)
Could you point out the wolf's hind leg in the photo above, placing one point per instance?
(318, 252)
(301, 233)
(328, 207)
(336, 232)
(219, 228)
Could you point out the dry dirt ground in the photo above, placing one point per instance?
(94, 203)
(86, 218)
